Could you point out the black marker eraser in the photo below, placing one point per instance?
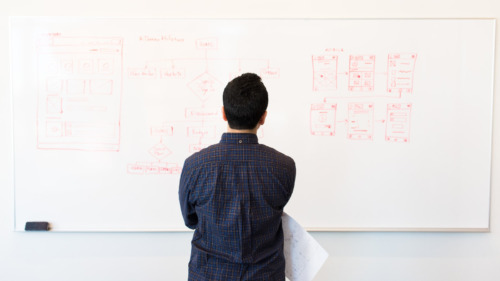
(37, 226)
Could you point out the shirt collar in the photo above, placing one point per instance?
(239, 138)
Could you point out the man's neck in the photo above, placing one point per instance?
(249, 131)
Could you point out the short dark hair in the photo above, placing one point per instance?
(245, 101)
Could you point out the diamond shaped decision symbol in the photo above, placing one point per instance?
(160, 151)
(204, 85)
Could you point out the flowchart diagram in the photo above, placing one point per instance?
(361, 77)
(199, 124)
(80, 83)
(80, 96)
(105, 112)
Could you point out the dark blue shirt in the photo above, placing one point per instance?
(233, 194)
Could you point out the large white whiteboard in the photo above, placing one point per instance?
(389, 121)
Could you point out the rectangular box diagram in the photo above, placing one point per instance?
(153, 168)
(361, 73)
(360, 122)
(400, 69)
(323, 116)
(79, 93)
(398, 122)
(325, 73)
(203, 113)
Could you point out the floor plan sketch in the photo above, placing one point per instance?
(364, 95)
(325, 73)
(398, 122)
(361, 73)
(400, 70)
(79, 96)
(323, 119)
(360, 122)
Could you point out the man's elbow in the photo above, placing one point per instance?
(191, 225)
(191, 221)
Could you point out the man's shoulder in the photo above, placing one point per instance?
(220, 152)
(275, 152)
(277, 156)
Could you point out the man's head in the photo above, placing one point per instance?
(245, 101)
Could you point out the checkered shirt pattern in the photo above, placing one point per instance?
(233, 194)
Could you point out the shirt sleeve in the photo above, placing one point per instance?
(291, 178)
(187, 208)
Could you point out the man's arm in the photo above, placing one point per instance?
(188, 210)
(291, 178)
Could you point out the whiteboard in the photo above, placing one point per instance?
(389, 121)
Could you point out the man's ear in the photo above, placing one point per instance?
(263, 118)
(224, 114)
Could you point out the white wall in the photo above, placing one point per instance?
(164, 256)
